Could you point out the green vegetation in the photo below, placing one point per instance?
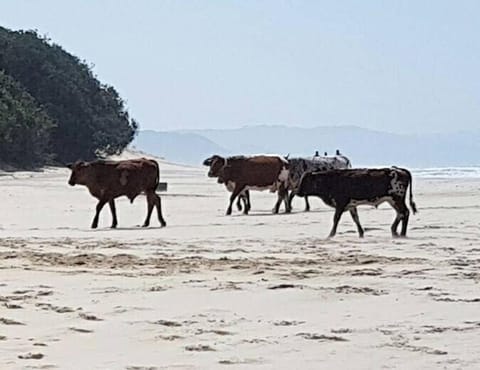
(52, 108)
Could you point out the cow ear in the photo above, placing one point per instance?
(70, 165)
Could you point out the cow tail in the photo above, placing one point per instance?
(413, 206)
(157, 178)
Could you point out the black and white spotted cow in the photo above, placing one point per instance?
(298, 166)
(346, 189)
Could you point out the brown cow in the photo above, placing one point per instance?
(244, 196)
(259, 172)
(346, 189)
(107, 180)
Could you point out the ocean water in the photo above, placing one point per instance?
(447, 172)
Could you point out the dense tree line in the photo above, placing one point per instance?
(44, 89)
(24, 126)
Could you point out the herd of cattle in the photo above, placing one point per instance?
(330, 178)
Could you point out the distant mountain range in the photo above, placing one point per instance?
(364, 147)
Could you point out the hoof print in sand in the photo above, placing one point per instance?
(169, 337)
(322, 337)
(12, 306)
(166, 323)
(89, 317)
(199, 348)
(288, 323)
(31, 356)
(5, 321)
(80, 330)
(285, 286)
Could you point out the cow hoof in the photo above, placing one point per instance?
(145, 225)
(163, 224)
(94, 226)
(113, 226)
(229, 212)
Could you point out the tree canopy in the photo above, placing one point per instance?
(53, 107)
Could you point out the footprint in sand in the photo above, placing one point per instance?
(80, 330)
(31, 356)
(5, 321)
(199, 348)
(89, 317)
(322, 337)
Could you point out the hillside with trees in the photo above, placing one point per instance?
(52, 107)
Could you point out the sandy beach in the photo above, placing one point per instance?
(260, 291)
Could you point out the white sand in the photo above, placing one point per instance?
(198, 293)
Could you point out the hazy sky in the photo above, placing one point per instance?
(400, 66)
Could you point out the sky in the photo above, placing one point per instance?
(397, 66)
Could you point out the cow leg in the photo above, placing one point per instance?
(288, 207)
(111, 203)
(282, 195)
(405, 215)
(336, 219)
(247, 201)
(354, 214)
(238, 189)
(99, 207)
(402, 215)
(158, 204)
(290, 198)
(307, 204)
(153, 200)
(239, 202)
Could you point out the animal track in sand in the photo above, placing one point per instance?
(288, 323)
(12, 306)
(341, 331)
(31, 356)
(58, 309)
(404, 345)
(448, 299)
(80, 330)
(322, 337)
(169, 337)
(237, 361)
(89, 317)
(200, 348)
(166, 323)
(213, 331)
(285, 286)
(6, 321)
(347, 289)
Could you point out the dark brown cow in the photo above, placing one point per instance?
(346, 189)
(107, 180)
(259, 172)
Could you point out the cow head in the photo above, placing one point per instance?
(208, 162)
(216, 164)
(79, 173)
